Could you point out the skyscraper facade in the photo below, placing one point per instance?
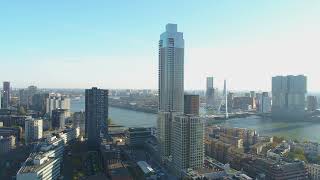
(58, 118)
(171, 84)
(289, 96)
(96, 115)
(6, 94)
(191, 104)
(188, 142)
(210, 92)
(171, 70)
(180, 136)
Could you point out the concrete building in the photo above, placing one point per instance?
(78, 120)
(265, 103)
(58, 118)
(191, 104)
(289, 96)
(6, 95)
(171, 84)
(171, 70)
(188, 142)
(69, 134)
(39, 102)
(7, 144)
(136, 137)
(313, 171)
(260, 168)
(11, 131)
(33, 130)
(96, 115)
(312, 103)
(39, 166)
(57, 101)
(210, 92)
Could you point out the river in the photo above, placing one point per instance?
(300, 130)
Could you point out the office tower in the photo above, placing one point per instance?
(265, 103)
(96, 115)
(7, 144)
(6, 95)
(225, 93)
(312, 103)
(171, 70)
(188, 142)
(33, 129)
(210, 92)
(58, 118)
(171, 84)
(288, 96)
(0, 99)
(191, 104)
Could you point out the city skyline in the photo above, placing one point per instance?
(279, 39)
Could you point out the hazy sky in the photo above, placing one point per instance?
(114, 44)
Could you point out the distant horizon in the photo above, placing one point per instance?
(76, 44)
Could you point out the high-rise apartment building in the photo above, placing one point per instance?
(96, 115)
(210, 96)
(188, 142)
(57, 101)
(312, 103)
(180, 136)
(171, 84)
(289, 96)
(191, 104)
(33, 129)
(6, 95)
(265, 103)
(171, 70)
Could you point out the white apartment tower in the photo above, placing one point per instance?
(188, 142)
(171, 70)
(33, 129)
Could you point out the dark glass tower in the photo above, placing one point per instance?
(96, 115)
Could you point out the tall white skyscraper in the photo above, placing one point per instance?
(171, 84)
(171, 70)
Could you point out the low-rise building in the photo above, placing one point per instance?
(136, 137)
(39, 166)
(7, 144)
(313, 171)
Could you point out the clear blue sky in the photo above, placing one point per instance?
(113, 44)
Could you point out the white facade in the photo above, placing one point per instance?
(188, 142)
(171, 70)
(33, 129)
(39, 167)
(57, 101)
(313, 171)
